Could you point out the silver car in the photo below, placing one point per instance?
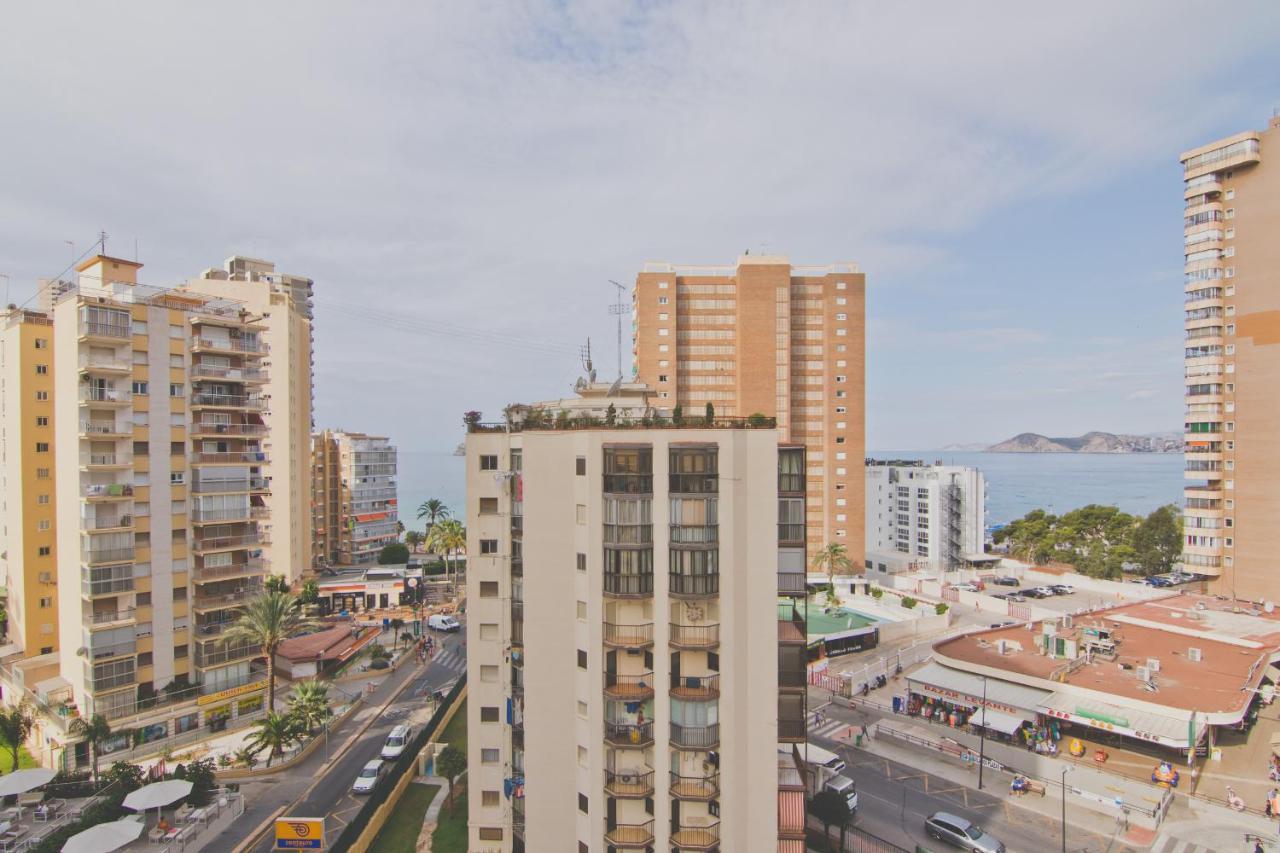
(964, 834)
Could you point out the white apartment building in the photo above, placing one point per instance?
(355, 508)
(633, 694)
(924, 517)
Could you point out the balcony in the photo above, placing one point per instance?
(693, 484)
(630, 835)
(112, 650)
(104, 461)
(97, 395)
(207, 486)
(695, 787)
(628, 484)
(695, 737)
(105, 556)
(617, 585)
(225, 514)
(693, 586)
(628, 688)
(696, 687)
(248, 568)
(91, 587)
(240, 457)
(791, 534)
(202, 428)
(697, 837)
(793, 677)
(629, 784)
(629, 734)
(207, 399)
(217, 655)
(791, 583)
(695, 534)
(123, 429)
(101, 524)
(791, 729)
(105, 618)
(229, 599)
(229, 374)
(694, 636)
(204, 545)
(105, 363)
(628, 636)
(99, 683)
(251, 347)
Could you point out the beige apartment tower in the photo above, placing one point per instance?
(775, 339)
(1232, 254)
(630, 696)
(353, 496)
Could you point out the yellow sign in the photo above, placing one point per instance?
(231, 692)
(299, 833)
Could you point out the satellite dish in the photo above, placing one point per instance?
(615, 387)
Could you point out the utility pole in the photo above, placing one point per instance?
(982, 740)
(618, 309)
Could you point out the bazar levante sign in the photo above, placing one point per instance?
(232, 692)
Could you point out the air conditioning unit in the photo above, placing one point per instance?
(1194, 655)
(1144, 674)
(1153, 664)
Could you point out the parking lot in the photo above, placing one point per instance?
(1082, 599)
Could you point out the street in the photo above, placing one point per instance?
(323, 788)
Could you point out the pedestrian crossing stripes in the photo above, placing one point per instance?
(1169, 844)
(451, 659)
(828, 729)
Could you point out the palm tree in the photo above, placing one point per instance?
(247, 757)
(273, 734)
(16, 724)
(310, 592)
(94, 731)
(268, 620)
(447, 537)
(450, 764)
(309, 703)
(407, 636)
(832, 558)
(413, 538)
(433, 510)
(396, 625)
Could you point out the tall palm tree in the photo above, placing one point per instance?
(433, 510)
(396, 625)
(448, 537)
(16, 724)
(94, 731)
(309, 703)
(832, 558)
(269, 620)
(273, 734)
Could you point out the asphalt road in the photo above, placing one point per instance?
(330, 794)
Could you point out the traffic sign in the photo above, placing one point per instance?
(299, 833)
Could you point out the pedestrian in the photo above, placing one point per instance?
(1266, 809)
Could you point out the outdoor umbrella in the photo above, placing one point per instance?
(104, 837)
(21, 781)
(157, 795)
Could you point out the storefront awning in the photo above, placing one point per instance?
(999, 721)
(965, 688)
(1144, 725)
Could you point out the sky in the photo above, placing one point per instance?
(462, 181)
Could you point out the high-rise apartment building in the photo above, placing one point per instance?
(766, 337)
(354, 504)
(924, 517)
(633, 697)
(159, 513)
(28, 551)
(1232, 362)
(282, 302)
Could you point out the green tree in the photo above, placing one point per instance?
(94, 731)
(128, 776)
(433, 510)
(393, 553)
(247, 756)
(396, 624)
(16, 723)
(450, 763)
(309, 704)
(677, 415)
(310, 592)
(276, 583)
(447, 538)
(407, 636)
(831, 808)
(710, 413)
(269, 620)
(908, 602)
(1157, 541)
(273, 734)
(413, 538)
(832, 559)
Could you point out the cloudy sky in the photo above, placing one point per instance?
(462, 180)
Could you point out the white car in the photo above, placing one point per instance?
(396, 743)
(965, 587)
(370, 775)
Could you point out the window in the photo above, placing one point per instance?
(662, 300)
(488, 756)
(663, 316)
(582, 562)
(488, 630)
(663, 348)
(662, 285)
(42, 395)
(42, 473)
(582, 611)
(139, 387)
(177, 478)
(842, 316)
(582, 803)
(41, 420)
(840, 410)
(582, 709)
(488, 505)
(175, 331)
(489, 714)
(488, 546)
(42, 500)
(840, 285)
(141, 448)
(488, 672)
(489, 462)
(662, 333)
(1230, 194)
(839, 439)
(488, 589)
(581, 513)
(489, 798)
(42, 370)
(580, 466)
(583, 756)
(490, 833)
(175, 389)
(42, 447)
(663, 377)
(46, 602)
(45, 550)
(43, 343)
(177, 448)
(144, 599)
(582, 659)
(175, 359)
(43, 524)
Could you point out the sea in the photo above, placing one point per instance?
(1016, 482)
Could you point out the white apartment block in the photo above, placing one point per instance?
(924, 517)
(354, 497)
(628, 697)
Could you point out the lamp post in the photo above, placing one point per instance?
(982, 735)
(1065, 771)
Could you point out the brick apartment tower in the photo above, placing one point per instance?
(765, 336)
(1233, 362)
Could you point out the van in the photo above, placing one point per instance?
(396, 742)
(820, 757)
(845, 787)
(440, 622)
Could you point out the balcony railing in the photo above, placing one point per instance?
(98, 556)
(98, 394)
(89, 361)
(629, 783)
(231, 345)
(207, 655)
(791, 729)
(234, 401)
(696, 837)
(694, 534)
(229, 599)
(113, 650)
(628, 734)
(791, 583)
(108, 682)
(695, 636)
(105, 330)
(106, 427)
(695, 686)
(628, 586)
(205, 574)
(216, 543)
(106, 586)
(629, 688)
(792, 677)
(693, 585)
(204, 428)
(106, 459)
(204, 486)
(628, 484)
(628, 636)
(105, 523)
(104, 617)
(695, 787)
(695, 737)
(630, 835)
(693, 484)
(221, 514)
(231, 374)
(244, 457)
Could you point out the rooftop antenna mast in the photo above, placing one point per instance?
(586, 362)
(618, 309)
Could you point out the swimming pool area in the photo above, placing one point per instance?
(825, 620)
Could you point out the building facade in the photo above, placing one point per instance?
(282, 303)
(29, 524)
(629, 699)
(924, 517)
(353, 501)
(769, 338)
(1232, 352)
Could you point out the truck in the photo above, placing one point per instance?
(823, 773)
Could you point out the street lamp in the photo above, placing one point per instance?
(1065, 771)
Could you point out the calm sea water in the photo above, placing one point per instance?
(1016, 482)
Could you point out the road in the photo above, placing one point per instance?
(321, 787)
(894, 799)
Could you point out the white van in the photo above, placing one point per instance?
(440, 622)
(820, 757)
(396, 742)
(845, 787)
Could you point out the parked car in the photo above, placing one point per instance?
(396, 742)
(1006, 581)
(955, 830)
(1038, 592)
(441, 622)
(1062, 589)
(1016, 596)
(370, 775)
(965, 587)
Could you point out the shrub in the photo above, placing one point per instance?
(471, 418)
(909, 602)
(677, 415)
(393, 553)
(940, 608)
(129, 776)
(877, 592)
(377, 651)
(379, 663)
(201, 776)
(758, 419)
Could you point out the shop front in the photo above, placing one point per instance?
(959, 699)
(1094, 719)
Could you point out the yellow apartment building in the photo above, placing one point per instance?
(354, 502)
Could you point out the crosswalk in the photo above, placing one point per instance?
(453, 659)
(1169, 844)
(827, 729)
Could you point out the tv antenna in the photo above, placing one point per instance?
(586, 361)
(618, 309)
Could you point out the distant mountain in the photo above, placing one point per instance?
(965, 448)
(1090, 442)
